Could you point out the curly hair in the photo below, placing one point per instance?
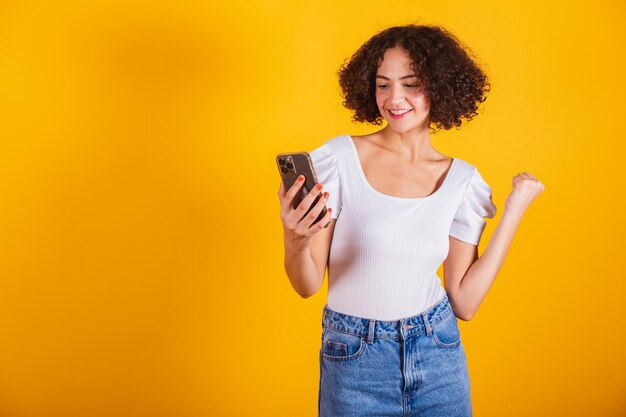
(452, 80)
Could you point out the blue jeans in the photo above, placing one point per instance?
(415, 366)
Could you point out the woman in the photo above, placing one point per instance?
(397, 209)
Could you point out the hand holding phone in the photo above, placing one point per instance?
(302, 196)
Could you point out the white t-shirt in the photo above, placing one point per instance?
(386, 250)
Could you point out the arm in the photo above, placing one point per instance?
(306, 247)
(467, 278)
(306, 266)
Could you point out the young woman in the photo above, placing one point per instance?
(397, 209)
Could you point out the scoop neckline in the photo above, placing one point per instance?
(393, 197)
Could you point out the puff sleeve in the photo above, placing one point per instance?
(325, 165)
(468, 224)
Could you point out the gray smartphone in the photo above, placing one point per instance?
(292, 165)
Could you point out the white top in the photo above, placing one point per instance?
(386, 250)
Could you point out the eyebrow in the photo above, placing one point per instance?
(402, 78)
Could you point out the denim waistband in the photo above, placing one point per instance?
(375, 329)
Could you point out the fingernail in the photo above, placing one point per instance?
(301, 177)
(318, 187)
(326, 194)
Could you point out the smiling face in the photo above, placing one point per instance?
(400, 99)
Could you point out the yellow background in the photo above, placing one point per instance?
(141, 258)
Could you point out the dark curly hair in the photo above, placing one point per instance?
(452, 80)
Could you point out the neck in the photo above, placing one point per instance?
(414, 145)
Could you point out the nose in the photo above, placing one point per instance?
(397, 96)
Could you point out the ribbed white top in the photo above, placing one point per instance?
(386, 250)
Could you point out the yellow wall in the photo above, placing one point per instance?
(141, 269)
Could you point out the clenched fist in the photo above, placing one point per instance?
(525, 189)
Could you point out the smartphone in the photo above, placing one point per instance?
(291, 165)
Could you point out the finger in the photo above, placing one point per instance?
(324, 221)
(281, 190)
(307, 221)
(528, 175)
(293, 190)
(306, 224)
(315, 210)
(309, 199)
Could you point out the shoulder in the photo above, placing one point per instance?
(475, 176)
(476, 188)
(469, 179)
(338, 140)
(330, 148)
(325, 156)
(464, 169)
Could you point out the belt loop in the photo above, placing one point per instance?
(370, 332)
(324, 316)
(429, 329)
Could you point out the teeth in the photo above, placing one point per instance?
(399, 112)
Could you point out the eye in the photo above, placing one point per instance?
(382, 86)
(411, 85)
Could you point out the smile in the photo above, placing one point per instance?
(399, 113)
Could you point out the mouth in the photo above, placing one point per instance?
(398, 113)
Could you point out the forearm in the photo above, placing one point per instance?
(481, 275)
(303, 274)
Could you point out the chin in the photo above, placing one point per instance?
(401, 129)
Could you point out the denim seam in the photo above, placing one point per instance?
(349, 357)
(433, 323)
(337, 345)
(362, 336)
(445, 345)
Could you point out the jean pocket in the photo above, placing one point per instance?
(446, 333)
(341, 346)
